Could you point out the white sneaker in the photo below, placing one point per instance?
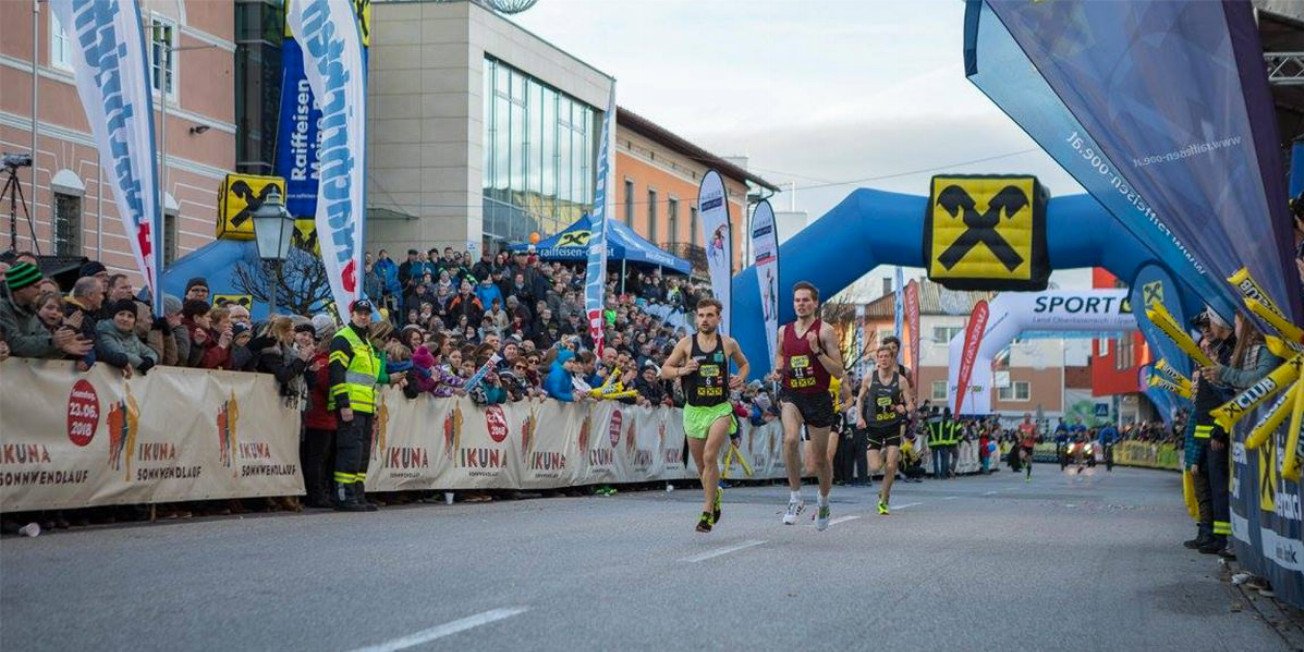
(794, 508)
(822, 518)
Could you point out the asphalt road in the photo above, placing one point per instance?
(1066, 562)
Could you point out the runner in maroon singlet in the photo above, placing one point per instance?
(808, 356)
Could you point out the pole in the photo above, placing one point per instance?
(166, 73)
(622, 275)
(99, 210)
(36, 83)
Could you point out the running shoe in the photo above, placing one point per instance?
(822, 520)
(715, 515)
(704, 522)
(794, 508)
(882, 507)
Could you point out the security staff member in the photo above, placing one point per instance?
(1207, 443)
(943, 435)
(356, 367)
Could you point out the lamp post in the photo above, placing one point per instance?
(274, 235)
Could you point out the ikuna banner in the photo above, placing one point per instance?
(973, 335)
(331, 39)
(113, 81)
(98, 439)
(713, 208)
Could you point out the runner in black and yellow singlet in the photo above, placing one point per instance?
(701, 361)
(884, 402)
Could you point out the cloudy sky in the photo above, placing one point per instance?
(829, 95)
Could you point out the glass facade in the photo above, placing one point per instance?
(540, 148)
(259, 29)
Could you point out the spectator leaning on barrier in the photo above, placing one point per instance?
(81, 311)
(28, 337)
(118, 343)
(319, 424)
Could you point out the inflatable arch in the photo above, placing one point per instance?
(1075, 313)
(872, 227)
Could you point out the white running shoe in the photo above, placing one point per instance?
(794, 508)
(822, 518)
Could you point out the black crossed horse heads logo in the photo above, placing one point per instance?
(253, 201)
(981, 227)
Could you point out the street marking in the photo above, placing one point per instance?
(843, 519)
(900, 507)
(950, 497)
(722, 551)
(447, 629)
(989, 493)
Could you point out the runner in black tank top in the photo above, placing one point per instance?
(701, 363)
(884, 404)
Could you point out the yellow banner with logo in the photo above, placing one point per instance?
(237, 199)
(987, 232)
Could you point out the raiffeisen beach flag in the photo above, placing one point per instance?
(332, 55)
(113, 81)
(765, 257)
(713, 209)
(595, 280)
(912, 324)
(973, 337)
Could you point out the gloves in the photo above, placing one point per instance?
(145, 365)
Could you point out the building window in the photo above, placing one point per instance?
(1102, 347)
(629, 202)
(887, 286)
(939, 390)
(67, 225)
(1019, 390)
(60, 46)
(693, 235)
(651, 216)
(259, 35)
(162, 55)
(946, 333)
(672, 220)
(539, 147)
(169, 238)
(1123, 357)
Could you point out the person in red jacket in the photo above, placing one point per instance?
(319, 426)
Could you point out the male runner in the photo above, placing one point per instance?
(808, 357)
(701, 361)
(840, 395)
(1027, 444)
(884, 399)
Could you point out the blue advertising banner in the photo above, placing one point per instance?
(996, 64)
(298, 135)
(1175, 97)
(1153, 285)
(595, 279)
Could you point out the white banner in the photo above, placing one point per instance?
(113, 81)
(713, 210)
(1011, 313)
(765, 257)
(332, 55)
(595, 281)
(70, 440)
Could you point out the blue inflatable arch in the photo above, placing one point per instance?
(872, 227)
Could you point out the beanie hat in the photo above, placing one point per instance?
(171, 304)
(22, 275)
(92, 268)
(123, 305)
(198, 280)
(322, 322)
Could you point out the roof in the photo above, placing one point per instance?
(637, 123)
(933, 300)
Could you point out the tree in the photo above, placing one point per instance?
(840, 313)
(300, 284)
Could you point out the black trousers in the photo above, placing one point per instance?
(318, 453)
(844, 459)
(859, 443)
(353, 445)
(1220, 490)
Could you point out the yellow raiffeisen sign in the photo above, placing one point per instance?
(987, 233)
(237, 199)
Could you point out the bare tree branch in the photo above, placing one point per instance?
(300, 282)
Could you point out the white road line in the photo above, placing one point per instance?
(447, 629)
(950, 497)
(989, 493)
(898, 507)
(844, 519)
(722, 551)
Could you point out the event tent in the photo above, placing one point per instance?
(623, 244)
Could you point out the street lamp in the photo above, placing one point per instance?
(273, 235)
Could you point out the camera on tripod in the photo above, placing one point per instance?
(15, 161)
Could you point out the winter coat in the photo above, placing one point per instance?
(121, 349)
(26, 335)
(317, 417)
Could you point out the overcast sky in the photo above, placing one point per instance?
(831, 95)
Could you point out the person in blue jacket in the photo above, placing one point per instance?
(559, 383)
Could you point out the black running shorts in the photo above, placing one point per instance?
(816, 408)
(881, 438)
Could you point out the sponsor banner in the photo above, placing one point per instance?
(113, 81)
(713, 210)
(595, 283)
(333, 61)
(239, 196)
(987, 233)
(1175, 97)
(98, 439)
(862, 354)
(899, 307)
(1152, 285)
(912, 323)
(765, 257)
(973, 336)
